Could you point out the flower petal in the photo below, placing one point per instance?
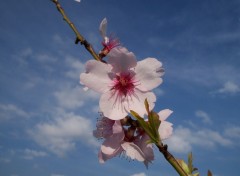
(121, 59)
(148, 73)
(165, 130)
(136, 101)
(96, 76)
(112, 144)
(103, 157)
(163, 114)
(133, 151)
(111, 106)
(103, 30)
(117, 127)
(146, 148)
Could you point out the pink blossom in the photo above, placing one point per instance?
(108, 42)
(117, 143)
(123, 82)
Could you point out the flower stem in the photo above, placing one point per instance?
(79, 37)
(170, 158)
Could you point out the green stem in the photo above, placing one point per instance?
(79, 37)
(170, 158)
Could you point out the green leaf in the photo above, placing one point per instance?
(154, 124)
(184, 166)
(143, 124)
(146, 105)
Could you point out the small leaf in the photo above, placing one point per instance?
(184, 166)
(143, 124)
(149, 141)
(146, 106)
(154, 123)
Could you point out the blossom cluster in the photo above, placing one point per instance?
(124, 84)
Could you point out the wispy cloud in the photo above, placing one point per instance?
(203, 116)
(9, 111)
(184, 139)
(229, 88)
(75, 67)
(74, 97)
(61, 135)
(233, 132)
(30, 154)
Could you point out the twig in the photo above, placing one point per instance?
(79, 37)
(170, 158)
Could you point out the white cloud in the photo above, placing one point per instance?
(229, 87)
(71, 98)
(58, 39)
(30, 154)
(204, 116)
(139, 174)
(184, 139)
(8, 111)
(43, 57)
(60, 136)
(203, 75)
(232, 132)
(76, 67)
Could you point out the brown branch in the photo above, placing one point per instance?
(170, 158)
(79, 37)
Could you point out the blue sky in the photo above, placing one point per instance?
(46, 119)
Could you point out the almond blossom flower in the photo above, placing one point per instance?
(123, 82)
(116, 143)
(129, 140)
(108, 42)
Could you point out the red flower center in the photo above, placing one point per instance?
(124, 84)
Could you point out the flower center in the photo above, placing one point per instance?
(124, 84)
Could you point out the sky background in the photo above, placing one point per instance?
(46, 119)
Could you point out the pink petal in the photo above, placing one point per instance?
(133, 151)
(121, 59)
(136, 102)
(163, 114)
(117, 127)
(148, 73)
(103, 27)
(111, 145)
(103, 157)
(165, 130)
(96, 76)
(112, 107)
(147, 149)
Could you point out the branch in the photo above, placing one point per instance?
(79, 37)
(170, 158)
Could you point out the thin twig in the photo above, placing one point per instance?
(170, 158)
(79, 37)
